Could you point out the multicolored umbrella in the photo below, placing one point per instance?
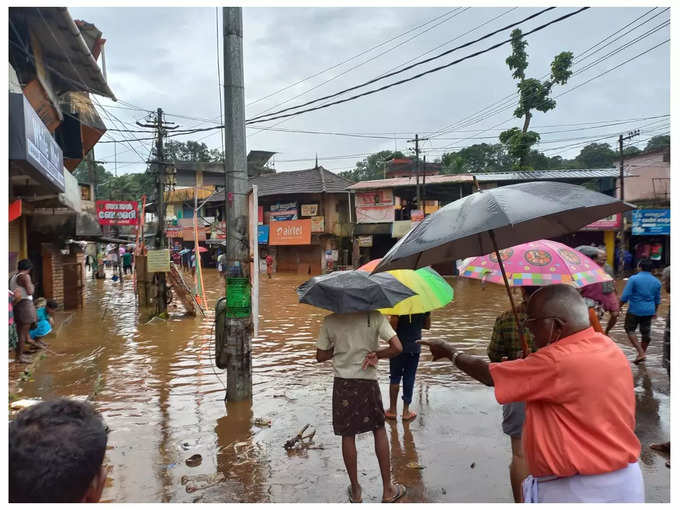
(432, 291)
(537, 263)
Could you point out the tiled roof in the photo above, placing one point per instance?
(314, 180)
(400, 182)
(537, 175)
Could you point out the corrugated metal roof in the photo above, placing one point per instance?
(537, 175)
(400, 182)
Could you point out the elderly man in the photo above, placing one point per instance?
(579, 435)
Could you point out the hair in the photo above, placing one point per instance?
(529, 290)
(52, 304)
(56, 448)
(25, 265)
(646, 265)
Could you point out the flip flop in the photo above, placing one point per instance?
(390, 416)
(410, 417)
(401, 491)
(660, 447)
(349, 493)
(639, 360)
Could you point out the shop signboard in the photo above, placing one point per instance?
(309, 209)
(612, 222)
(375, 206)
(650, 222)
(173, 232)
(158, 261)
(286, 233)
(417, 215)
(401, 228)
(318, 224)
(365, 241)
(116, 212)
(262, 234)
(188, 233)
(31, 142)
(286, 211)
(260, 215)
(218, 230)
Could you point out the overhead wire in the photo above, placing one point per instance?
(420, 75)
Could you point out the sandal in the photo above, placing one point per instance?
(401, 491)
(639, 359)
(349, 493)
(411, 416)
(661, 447)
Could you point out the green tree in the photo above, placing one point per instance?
(596, 155)
(187, 151)
(479, 157)
(533, 95)
(658, 142)
(371, 167)
(631, 151)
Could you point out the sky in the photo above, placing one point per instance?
(168, 58)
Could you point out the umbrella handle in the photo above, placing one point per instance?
(525, 346)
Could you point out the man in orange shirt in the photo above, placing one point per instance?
(579, 435)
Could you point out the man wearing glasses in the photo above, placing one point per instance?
(579, 435)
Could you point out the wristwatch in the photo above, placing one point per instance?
(455, 356)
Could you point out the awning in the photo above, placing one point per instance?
(65, 54)
(82, 127)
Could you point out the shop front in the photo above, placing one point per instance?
(291, 244)
(651, 236)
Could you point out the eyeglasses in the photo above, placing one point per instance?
(524, 322)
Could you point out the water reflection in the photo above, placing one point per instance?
(162, 397)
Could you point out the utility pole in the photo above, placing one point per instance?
(161, 180)
(630, 135)
(238, 324)
(417, 139)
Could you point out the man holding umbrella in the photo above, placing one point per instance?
(351, 338)
(579, 435)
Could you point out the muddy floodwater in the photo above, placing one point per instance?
(162, 397)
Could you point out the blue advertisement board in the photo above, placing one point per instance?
(262, 234)
(649, 222)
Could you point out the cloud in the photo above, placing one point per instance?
(167, 57)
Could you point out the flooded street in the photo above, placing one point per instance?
(162, 397)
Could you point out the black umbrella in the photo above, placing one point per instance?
(490, 220)
(353, 291)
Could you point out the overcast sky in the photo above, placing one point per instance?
(167, 57)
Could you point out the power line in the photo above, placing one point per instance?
(409, 67)
(350, 58)
(420, 75)
(508, 101)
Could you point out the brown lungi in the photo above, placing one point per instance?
(24, 312)
(357, 406)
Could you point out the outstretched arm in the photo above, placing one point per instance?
(473, 366)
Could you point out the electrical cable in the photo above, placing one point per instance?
(422, 62)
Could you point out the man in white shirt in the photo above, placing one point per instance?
(352, 341)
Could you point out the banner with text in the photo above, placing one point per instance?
(297, 232)
(116, 212)
(375, 206)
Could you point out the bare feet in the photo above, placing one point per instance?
(391, 415)
(640, 358)
(22, 359)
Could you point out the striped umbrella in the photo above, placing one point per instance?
(432, 291)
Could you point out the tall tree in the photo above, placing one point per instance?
(657, 142)
(371, 167)
(597, 155)
(533, 95)
(479, 157)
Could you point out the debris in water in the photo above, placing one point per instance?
(262, 422)
(194, 460)
(298, 441)
(185, 445)
(195, 483)
(415, 465)
(472, 466)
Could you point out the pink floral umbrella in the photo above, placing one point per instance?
(537, 263)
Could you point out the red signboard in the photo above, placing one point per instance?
(14, 210)
(116, 212)
(260, 215)
(612, 222)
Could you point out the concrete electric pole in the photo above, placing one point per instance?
(630, 135)
(161, 180)
(417, 139)
(238, 323)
